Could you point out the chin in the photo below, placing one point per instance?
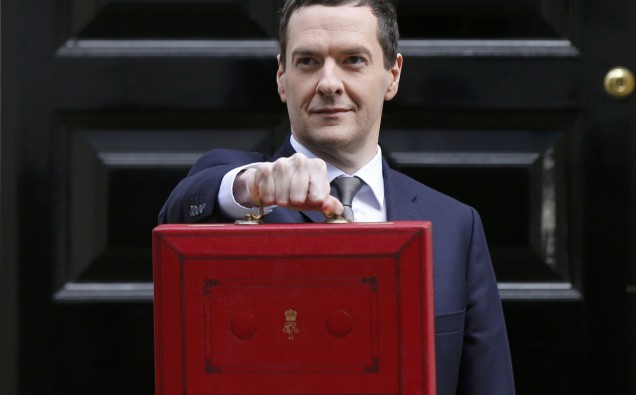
(331, 140)
(325, 137)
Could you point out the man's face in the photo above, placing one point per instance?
(334, 82)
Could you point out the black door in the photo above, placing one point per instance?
(502, 104)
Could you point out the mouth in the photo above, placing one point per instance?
(330, 110)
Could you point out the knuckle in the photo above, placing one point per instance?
(280, 166)
(264, 170)
(299, 159)
(318, 165)
(301, 163)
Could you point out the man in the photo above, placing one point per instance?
(337, 66)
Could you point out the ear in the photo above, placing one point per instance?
(280, 80)
(394, 78)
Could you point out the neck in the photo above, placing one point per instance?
(348, 161)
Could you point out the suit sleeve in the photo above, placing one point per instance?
(194, 199)
(485, 367)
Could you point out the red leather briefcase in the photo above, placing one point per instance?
(294, 309)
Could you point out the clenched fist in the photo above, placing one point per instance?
(296, 182)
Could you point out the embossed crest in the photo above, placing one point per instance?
(290, 327)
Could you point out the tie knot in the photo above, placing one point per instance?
(346, 188)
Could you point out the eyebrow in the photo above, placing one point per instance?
(358, 51)
(302, 52)
(349, 51)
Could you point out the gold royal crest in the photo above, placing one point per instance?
(290, 327)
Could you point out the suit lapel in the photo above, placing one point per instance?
(285, 151)
(401, 200)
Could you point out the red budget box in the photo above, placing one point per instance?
(294, 309)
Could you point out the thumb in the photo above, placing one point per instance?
(331, 207)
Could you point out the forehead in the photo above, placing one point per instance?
(322, 25)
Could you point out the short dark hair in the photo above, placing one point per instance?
(388, 33)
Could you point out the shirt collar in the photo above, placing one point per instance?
(371, 173)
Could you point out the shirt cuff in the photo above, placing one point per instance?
(228, 205)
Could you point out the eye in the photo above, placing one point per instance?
(356, 60)
(305, 61)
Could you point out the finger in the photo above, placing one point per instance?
(300, 182)
(282, 172)
(264, 187)
(319, 188)
(332, 206)
(299, 189)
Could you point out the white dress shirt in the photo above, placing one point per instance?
(368, 204)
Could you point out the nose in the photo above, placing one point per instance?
(330, 82)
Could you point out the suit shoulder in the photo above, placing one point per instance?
(222, 156)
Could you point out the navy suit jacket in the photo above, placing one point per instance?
(472, 354)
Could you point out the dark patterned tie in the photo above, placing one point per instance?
(346, 188)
